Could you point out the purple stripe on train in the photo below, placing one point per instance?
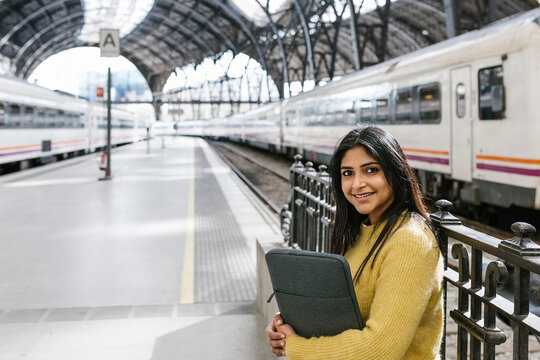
(508, 169)
(432, 160)
(19, 152)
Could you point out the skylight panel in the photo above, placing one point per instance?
(124, 15)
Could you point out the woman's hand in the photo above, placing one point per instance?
(277, 334)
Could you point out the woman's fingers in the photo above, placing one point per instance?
(278, 352)
(278, 320)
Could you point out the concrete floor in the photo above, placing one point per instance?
(95, 269)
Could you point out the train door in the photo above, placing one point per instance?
(461, 155)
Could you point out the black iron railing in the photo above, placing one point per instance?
(492, 277)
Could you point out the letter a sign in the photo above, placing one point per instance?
(109, 42)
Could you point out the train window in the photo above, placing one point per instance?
(329, 114)
(308, 114)
(14, 115)
(430, 103)
(290, 118)
(40, 117)
(404, 103)
(491, 85)
(28, 117)
(460, 100)
(349, 115)
(365, 111)
(381, 110)
(52, 119)
(80, 120)
(2, 115)
(64, 119)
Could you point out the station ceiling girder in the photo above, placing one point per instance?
(297, 44)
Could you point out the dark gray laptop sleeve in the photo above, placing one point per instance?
(314, 291)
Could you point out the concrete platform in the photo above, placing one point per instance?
(158, 263)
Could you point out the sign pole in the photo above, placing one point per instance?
(109, 44)
(108, 171)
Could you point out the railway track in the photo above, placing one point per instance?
(264, 173)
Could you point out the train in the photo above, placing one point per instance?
(466, 112)
(38, 125)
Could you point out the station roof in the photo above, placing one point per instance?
(300, 40)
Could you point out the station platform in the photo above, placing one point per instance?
(157, 263)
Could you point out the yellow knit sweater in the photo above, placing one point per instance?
(400, 299)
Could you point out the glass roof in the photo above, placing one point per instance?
(120, 14)
(253, 9)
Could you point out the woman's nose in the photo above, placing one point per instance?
(359, 182)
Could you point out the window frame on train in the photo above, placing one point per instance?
(404, 117)
(3, 115)
(421, 101)
(489, 86)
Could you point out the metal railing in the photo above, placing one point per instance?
(492, 276)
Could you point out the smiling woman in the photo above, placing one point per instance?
(382, 229)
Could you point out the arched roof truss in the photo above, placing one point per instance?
(305, 40)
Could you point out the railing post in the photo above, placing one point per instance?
(322, 178)
(521, 245)
(443, 217)
(307, 221)
(289, 211)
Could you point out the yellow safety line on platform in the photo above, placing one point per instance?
(188, 268)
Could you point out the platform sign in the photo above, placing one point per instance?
(109, 42)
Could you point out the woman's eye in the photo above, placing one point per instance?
(347, 173)
(372, 170)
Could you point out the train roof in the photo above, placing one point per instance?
(511, 25)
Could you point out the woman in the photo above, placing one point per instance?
(382, 228)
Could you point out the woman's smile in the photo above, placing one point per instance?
(363, 196)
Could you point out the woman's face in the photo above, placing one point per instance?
(364, 185)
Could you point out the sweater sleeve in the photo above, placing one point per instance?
(405, 283)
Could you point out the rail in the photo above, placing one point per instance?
(492, 277)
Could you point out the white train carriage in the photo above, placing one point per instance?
(465, 112)
(38, 124)
(262, 127)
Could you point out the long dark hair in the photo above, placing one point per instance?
(385, 149)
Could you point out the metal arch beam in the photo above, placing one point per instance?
(151, 48)
(386, 20)
(160, 41)
(513, 5)
(16, 11)
(29, 66)
(27, 19)
(184, 30)
(200, 17)
(281, 48)
(307, 37)
(397, 29)
(132, 49)
(234, 15)
(353, 24)
(428, 7)
(452, 18)
(38, 35)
